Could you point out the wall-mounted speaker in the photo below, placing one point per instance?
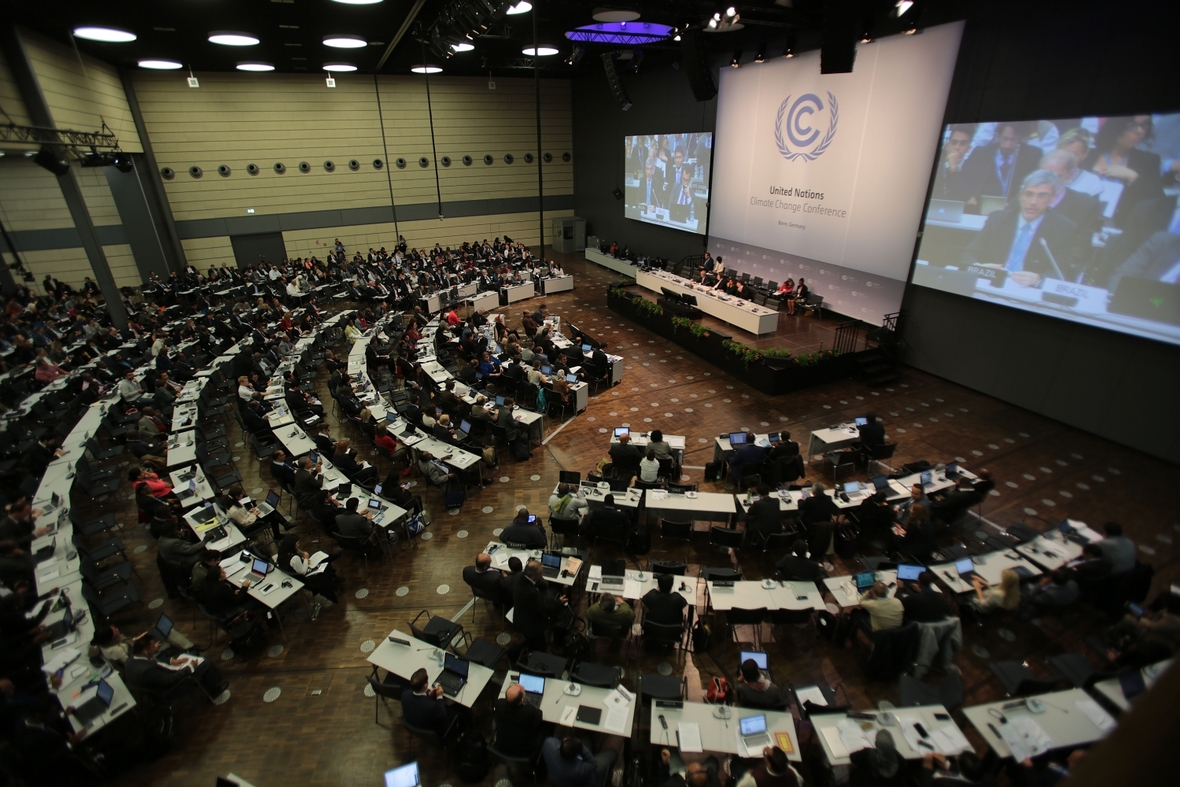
(423, 162)
(508, 159)
(445, 161)
(280, 168)
(378, 163)
(528, 158)
(329, 166)
(488, 159)
(253, 169)
(195, 171)
(400, 163)
(304, 167)
(224, 171)
(547, 157)
(353, 164)
(48, 159)
(167, 173)
(612, 78)
(618, 193)
(467, 161)
(566, 157)
(696, 65)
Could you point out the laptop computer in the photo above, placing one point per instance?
(546, 369)
(753, 734)
(950, 210)
(534, 689)
(97, 705)
(572, 379)
(454, 674)
(909, 573)
(926, 478)
(774, 437)
(258, 571)
(622, 430)
(861, 421)
(569, 477)
(1147, 299)
(757, 656)
(587, 348)
(737, 438)
(46, 552)
(499, 401)
(550, 565)
(852, 488)
(403, 776)
(951, 470)
(1132, 684)
(864, 580)
(162, 629)
(989, 204)
(59, 628)
(881, 482)
(375, 505)
(464, 430)
(51, 506)
(267, 507)
(613, 572)
(188, 491)
(965, 569)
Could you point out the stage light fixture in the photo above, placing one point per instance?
(108, 35)
(736, 62)
(760, 57)
(902, 6)
(345, 42)
(731, 12)
(463, 46)
(51, 161)
(232, 39)
(255, 65)
(160, 65)
(520, 8)
(427, 69)
(543, 50)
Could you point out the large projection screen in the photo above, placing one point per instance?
(667, 179)
(824, 176)
(1096, 198)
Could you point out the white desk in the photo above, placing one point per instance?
(641, 439)
(516, 292)
(612, 263)
(557, 284)
(404, 661)
(1111, 690)
(482, 301)
(555, 700)
(740, 313)
(827, 731)
(719, 734)
(832, 438)
(988, 565)
(272, 591)
(635, 588)
(184, 416)
(588, 491)
(182, 449)
(790, 595)
(843, 589)
(501, 553)
(706, 505)
(203, 492)
(1062, 720)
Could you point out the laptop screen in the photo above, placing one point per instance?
(881, 482)
(405, 776)
(533, 684)
(164, 625)
(456, 665)
(759, 658)
(614, 568)
(908, 573)
(587, 348)
(374, 504)
(951, 468)
(546, 370)
(106, 692)
(964, 565)
(864, 580)
(774, 437)
(551, 561)
(261, 566)
(500, 401)
(737, 438)
(464, 426)
(390, 417)
(571, 378)
(1132, 684)
(862, 421)
(852, 487)
(377, 489)
(622, 430)
(272, 499)
(752, 725)
(926, 478)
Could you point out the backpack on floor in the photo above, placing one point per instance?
(520, 449)
(489, 456)
(471, 755)
(714, 471)
(455, 496)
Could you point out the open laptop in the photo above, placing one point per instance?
(757, 656)
(534, 689)
(852, 488)
(737, 439)
(966, 569)
(464, 430)
(258, 570)
(454, 674)
(989, 204)
(861, 421)
(51, 506)
(753, 734)
(499, 401)
(569, 477)
(188, 491)
(550, 565)
(1147, 299)
(622, 430)
(572, 379)
(404, 776)
(909, 573)
(613, 572)
(546, 369)
(864, 580)
(951, 470)
(926, 478)
(375, 505)
(59, 628)
(267, 507)
(880, 482)
(162, 629)
(587, 349)
(93, 708)
(949, 210)
(1132, 684)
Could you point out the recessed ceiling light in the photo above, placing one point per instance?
(339, 67)
(463, 46)
(253, 65)
(232, 39)
(427, 69)
(345, 42)
(520, 8)
(542, 51)
(110, 35)
(160, 65)
(358, 2)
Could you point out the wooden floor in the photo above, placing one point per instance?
(320, 730)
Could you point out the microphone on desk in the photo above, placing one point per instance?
(1052, 261)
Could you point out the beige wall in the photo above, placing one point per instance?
(30, 198)
(203, 252)
(236, 120)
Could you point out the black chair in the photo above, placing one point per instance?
(721, 574)
(439, 632)
(430, 737)
(1074, 667)
(725, 537)
(600, 675)
(877, 454)
(678, 531)
(390, 688)
(663, 687)
(1018, 680)
(495, 599)
(543, 664)
(915, 693)
(101, 579)
(673, 567)
(354, 544)
(667, 635)
(838, 460)
(481, 651)
(564, 528)
(112, 603)
(514, 765)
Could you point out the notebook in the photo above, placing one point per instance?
(753, 734)
(534, 689)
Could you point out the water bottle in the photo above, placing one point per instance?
(438, 655)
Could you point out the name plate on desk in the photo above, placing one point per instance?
(997, 276)
(1077, 296)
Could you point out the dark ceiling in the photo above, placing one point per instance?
(292, 31)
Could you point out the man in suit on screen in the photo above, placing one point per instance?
(1027, 240)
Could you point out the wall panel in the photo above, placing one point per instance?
(203, 252)
(68, 265)
(30, 198)
(122, 264)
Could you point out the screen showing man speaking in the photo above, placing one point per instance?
(1074, 218)
(667, 179)
(823, 176)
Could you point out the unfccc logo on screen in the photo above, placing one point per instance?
(804, 141)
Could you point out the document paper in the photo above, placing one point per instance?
(689, 735)
(617, 703)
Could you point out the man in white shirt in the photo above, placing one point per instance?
(130, 392)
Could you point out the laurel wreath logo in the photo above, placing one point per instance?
(812, 155)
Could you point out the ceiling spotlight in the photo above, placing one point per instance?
(737, 59)
(575, 56)
(790, 50)
(345, 42)
(760, 57)
(866, 35)
(232, 39)
(902, 6)
(339, 67)
(544, 50)
(427, 69)
(731, 12)
(712, 24)
(463, 46)
(254, 65)
(160, 65)
(110, 35)
(520, 8)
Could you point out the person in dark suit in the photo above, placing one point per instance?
(309, 480)
(818, 507)
(997, 169)
(749, 455)
(1083, 210)
(796, 566)
(1117, 157)
(522, 531)
(520, 727)
(144, 673)
(765, 515)
(949, 181)
(482, 577)
(872, 433)
(608, 519)
(282, 470)
(253, 420)
(534, 606)
(922, 601)
(653, 189)
(426, 708)
(1158, 260)
(662, 605)
(1015, 239)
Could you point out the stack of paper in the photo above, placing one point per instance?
(812, 694)
(689, 736)
(1025, 738)
(852, 736)
(1102, 720)
(618, 705)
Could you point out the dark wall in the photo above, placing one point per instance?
(1061, 61)
(662, 102)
